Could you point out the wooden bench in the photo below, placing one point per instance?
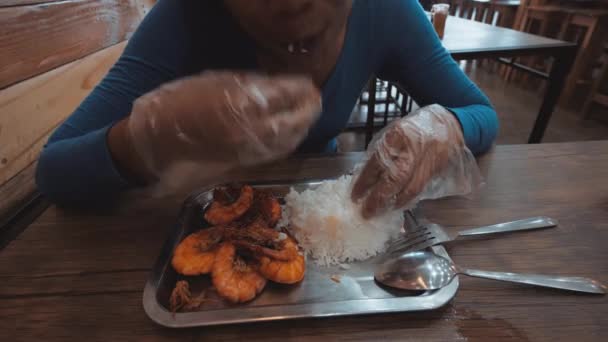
(52, 54)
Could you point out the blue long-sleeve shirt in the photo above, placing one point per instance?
(390, 38)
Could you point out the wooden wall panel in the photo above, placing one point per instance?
(14, 192)
(7, 3)
(30, 110)
(37, 38)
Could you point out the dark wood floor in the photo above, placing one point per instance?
(517, 105)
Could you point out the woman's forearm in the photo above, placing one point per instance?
(479, 124)
(126, 159)
(79, 170)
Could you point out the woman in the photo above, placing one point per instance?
(129, 132)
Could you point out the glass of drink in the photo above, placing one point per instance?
(439, 15)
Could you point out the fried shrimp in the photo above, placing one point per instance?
(282, 248)
(222, 212)
(270, 209)
(255, 231)
(259, 239)
(181, 298)
(265, 207)
(278, 254)
(233, 278)
(284, 272)
(196, 253)
(285, 266)
(241, 252)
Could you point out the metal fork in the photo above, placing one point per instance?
(430, 234)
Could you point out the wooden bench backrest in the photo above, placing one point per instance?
(52, 53)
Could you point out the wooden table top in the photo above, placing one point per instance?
(469, 39)
(76, 275)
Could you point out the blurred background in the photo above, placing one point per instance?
(582, 108)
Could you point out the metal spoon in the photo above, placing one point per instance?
(428, 271)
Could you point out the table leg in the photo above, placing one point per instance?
(559, 71)
(371, 111)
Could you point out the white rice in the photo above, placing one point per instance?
(330, 228)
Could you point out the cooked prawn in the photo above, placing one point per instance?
(233, 278)
(221, 212)
(284, 272)
(279, 257)
(286, 266)
(226, 195)
(254, 230)
(181, 298)
(270, 209)
(259, 239)
(196, 253)
(282, 248)
(265, 206)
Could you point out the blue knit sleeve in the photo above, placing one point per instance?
(76, 166)
(415, 58)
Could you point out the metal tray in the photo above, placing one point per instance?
(317, 295)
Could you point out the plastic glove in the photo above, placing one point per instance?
(422, 156)
(220, 120)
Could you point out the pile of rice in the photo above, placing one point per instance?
(330, 228)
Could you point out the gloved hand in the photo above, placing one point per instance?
(220, 120)
(421, 156)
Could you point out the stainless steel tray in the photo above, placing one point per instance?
(317, 295)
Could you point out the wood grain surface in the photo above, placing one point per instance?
(39, 37)
(11, 3)
(79, 275)
(30, 110)
(16, 190)
(468, 39)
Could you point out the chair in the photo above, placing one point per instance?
(480, 10)
(542, 21)
(386, 93)
(588, 28)
(461, 8)
(502, 13)
(597, 95)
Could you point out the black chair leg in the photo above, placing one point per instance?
(403, 106)
(371, 111)
(387, 105)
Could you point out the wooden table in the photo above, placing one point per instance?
(468, 39)
(77, 276)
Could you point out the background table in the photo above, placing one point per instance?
(468, 39)
(76, 275)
